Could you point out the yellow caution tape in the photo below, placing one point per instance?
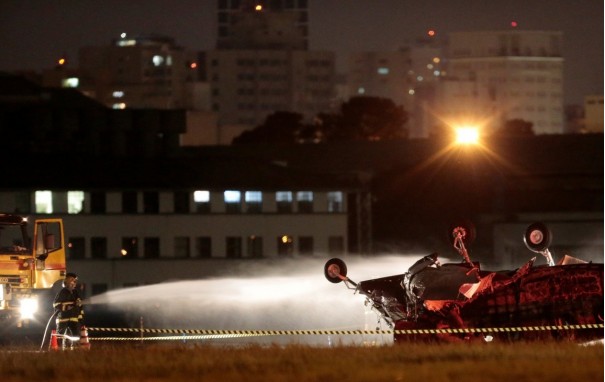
(184, 334)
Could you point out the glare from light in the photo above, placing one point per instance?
(258, 8)
(124, 252)
(467, 135)
(29, 306)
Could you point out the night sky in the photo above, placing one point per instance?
(34, 33)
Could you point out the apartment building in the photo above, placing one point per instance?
(495, 76)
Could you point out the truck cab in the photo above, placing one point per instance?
(31, 263)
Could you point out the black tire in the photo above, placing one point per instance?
(537, 237)
(464, 227)
(333, 268)
(66, 342)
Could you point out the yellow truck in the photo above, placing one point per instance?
(31, 264)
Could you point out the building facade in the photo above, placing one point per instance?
(150, 72)
(498, 76)
(105, 226)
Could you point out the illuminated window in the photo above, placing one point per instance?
(118, 106)
(117, 94)
(157, 60)
(233, 201)
(335, 201)
(75, 202)
(44, 202)
(130, 247)
(72, 82)
(361, 91)
(304, 200)
(201, 199)
(383, 70)
(285, 245)
(254, 201)
(284, 201)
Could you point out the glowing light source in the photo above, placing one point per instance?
(431, 33)
(514, 24)
(61, 61)
(258, 8)
(467, 135)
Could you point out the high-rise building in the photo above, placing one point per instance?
(262, 64)
(408, 77)
(497, 76)
(139, 72)
(236, 27)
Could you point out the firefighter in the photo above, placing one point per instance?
(68, 306)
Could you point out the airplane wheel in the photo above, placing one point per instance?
(333, 268)
(537, 237)
(464, 228)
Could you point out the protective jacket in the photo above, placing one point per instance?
(68, 306)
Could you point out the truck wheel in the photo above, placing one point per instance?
(335, 270)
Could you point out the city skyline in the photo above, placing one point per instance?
(35, 33)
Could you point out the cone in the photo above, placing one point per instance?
(53, 340)
(84, 343)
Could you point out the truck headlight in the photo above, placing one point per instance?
(29, 306)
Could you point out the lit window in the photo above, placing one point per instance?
(202, 201)
(126, 42)
(429, 66)
(436, 73)
(361, 91)
(284, 201)
(283, 196)
(44, 202)
(254, 201)
(253, 197)
(201, 196)
(419, 78)
(335, 201)
(232, 201)
(118, 94)
(383, 70)
(411, 92)
(75, 202)
(120, 106)
(304, 196)
(232, 196)
(305, 201)
(71, 82)
(169, 61)
(157, 60)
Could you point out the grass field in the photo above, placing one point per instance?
(518, 362)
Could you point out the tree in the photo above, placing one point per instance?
(367, 119)
(279, 127)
